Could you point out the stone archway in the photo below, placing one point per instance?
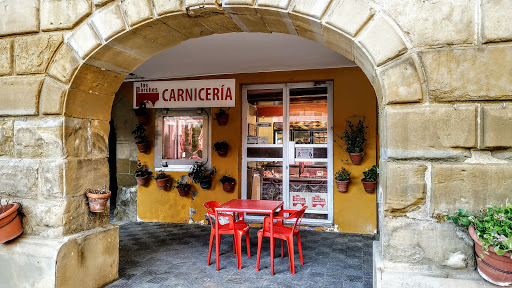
(437, 136)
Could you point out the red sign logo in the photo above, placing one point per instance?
(319, 201)
(297, 200)
(146, 94)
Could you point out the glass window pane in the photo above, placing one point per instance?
(265, 180)
(264, 152)
(182, 137)
(265, 116)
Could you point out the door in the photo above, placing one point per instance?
(287, 147)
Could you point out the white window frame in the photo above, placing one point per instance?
(181, 165)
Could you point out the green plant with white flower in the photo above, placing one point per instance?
(493, 226)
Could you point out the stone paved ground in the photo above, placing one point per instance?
(174, 255)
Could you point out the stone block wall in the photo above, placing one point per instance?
(441, 70)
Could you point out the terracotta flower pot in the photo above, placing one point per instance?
(492, 267)
(222, 152)
(369, 186)
(342, 186)
(223, 120)
(97, 202)
(163, 184)
(10, 222)
(184, 192)
(142, 181)
(228, 187)
(356, 158)
(143, 147)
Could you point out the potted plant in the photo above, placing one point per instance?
(228, 183)
(141, 140)
(142, 113)
(202, 174)
(491, 230)
(221, 148)
(222, 116)
(355, 139)
(370, 179)
(10, 221)
(342, 178)
(142, 174)
(163, 181)
(97, 198)
(183, 188)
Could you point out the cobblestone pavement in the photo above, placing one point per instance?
(174, 255)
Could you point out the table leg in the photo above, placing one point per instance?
(217, 238)
(272, 243)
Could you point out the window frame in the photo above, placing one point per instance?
(181, 165)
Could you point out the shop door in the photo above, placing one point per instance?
(287, 147)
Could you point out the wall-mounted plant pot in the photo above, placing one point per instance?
(222, 152)
(184, 192)
(342, 186)
(10, 222)
(491, 266)
(228, 187)
(206, 184)
(144, 147)
(163, 184)
(97, 202)
(144, 119)
(369, 186)
(356, 158)
(223, 120)
(142, 181)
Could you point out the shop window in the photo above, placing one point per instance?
(181, 138)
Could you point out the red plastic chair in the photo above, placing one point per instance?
(284, 233)
(237, 229)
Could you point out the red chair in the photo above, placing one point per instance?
(237, 229)
(284, 233)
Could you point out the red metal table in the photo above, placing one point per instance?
(249, 206)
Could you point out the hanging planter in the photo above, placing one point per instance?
(183, 188)
(356, 158)
(355, 139)
(342, 178)
(97, 198)
(228, 183)
(141, 140)
(163, 181)
(10, 221)
(202, 175)
(222, 117)
(221, 148)
(141, 113)
(142, 174)
(370, 179)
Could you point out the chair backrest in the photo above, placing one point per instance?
(298, 215)
(210, 209)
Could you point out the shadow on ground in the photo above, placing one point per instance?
(175, 255)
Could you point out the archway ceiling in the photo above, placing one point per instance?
(233, 53)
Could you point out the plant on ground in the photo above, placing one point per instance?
(493, 226)
(371, 175)
(342, 174)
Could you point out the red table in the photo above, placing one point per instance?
(249, 206)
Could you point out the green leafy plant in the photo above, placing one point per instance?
(355, 136)
(139, 134)
(371, 175)
(200, 173)
(142, 170)
(227, 179)
(182, 185)
(493, 226)
(221, 113)
(342, 174)
(218, 146)
(161, 175)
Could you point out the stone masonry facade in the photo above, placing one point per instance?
(441, 71)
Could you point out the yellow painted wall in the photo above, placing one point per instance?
(354, 211)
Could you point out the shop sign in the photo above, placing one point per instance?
(185, 94)
(319, 201)
(304, 153)
(299, 199)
